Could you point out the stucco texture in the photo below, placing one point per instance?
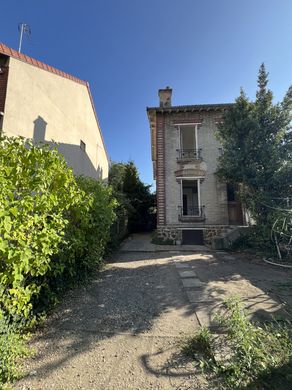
(47, 107)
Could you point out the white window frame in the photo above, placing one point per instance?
(180, 125)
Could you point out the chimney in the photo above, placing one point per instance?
(165, 97)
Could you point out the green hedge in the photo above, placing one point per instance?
(53, 227)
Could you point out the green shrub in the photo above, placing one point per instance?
(119, 229)
(88, 232)
(53, 230)
(12, 348)
(85, 238)
(36, 190)
(256, 349)
(256, 239)
(247, 355)
(84, 243)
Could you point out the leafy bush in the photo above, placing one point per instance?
(248, 355)
(36, 190)
(12, 348)
(53, 230)
(257, 238)
(53, 227)
(119, 229)
(88, 232)
(85, 237)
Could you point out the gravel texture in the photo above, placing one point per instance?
(123, 329)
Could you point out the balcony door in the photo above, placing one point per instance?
(190, 197)
(188, 144)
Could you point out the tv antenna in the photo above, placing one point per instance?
(23, 28)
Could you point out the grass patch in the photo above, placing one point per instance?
(13, 347)
(246, 355)
(199, 345)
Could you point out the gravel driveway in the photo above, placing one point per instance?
(122, 331)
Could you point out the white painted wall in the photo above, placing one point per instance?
(40, 103)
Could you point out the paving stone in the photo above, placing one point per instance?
(200, 296)
(206, 313)
(192, 282)
(181, 265)
(188, 274)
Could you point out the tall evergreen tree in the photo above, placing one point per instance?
(134, 196)
(257, 144)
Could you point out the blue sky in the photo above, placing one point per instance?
(128, 49)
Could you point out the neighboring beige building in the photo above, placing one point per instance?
(43, 103)
(192, 204)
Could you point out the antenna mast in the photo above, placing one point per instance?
(23, 28)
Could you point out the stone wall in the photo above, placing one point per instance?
(213, 231)
(175, 233)
(168, 233)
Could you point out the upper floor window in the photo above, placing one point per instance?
(188, 142)
(82, 145)
(188, 137)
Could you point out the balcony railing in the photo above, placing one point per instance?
(192, 213)
(189, 154)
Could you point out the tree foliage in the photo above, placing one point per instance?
(134, 196)
(257, 149)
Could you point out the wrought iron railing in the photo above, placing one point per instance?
(189, 154)
(192, 211)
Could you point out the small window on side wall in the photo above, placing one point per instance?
(82, 145)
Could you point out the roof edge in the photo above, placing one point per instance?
(29, 60)
(32, 61)
(194, 107)
(97, 120)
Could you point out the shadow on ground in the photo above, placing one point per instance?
(129, 319)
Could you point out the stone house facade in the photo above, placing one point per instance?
(193, 205)
(40, 102)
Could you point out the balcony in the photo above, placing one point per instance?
(185, 155)
(191, 214)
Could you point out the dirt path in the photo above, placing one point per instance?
(123, 330)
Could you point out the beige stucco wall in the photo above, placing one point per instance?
(42, 104)
(212, 191)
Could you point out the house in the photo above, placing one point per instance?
(43, 103)
(193, 205)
